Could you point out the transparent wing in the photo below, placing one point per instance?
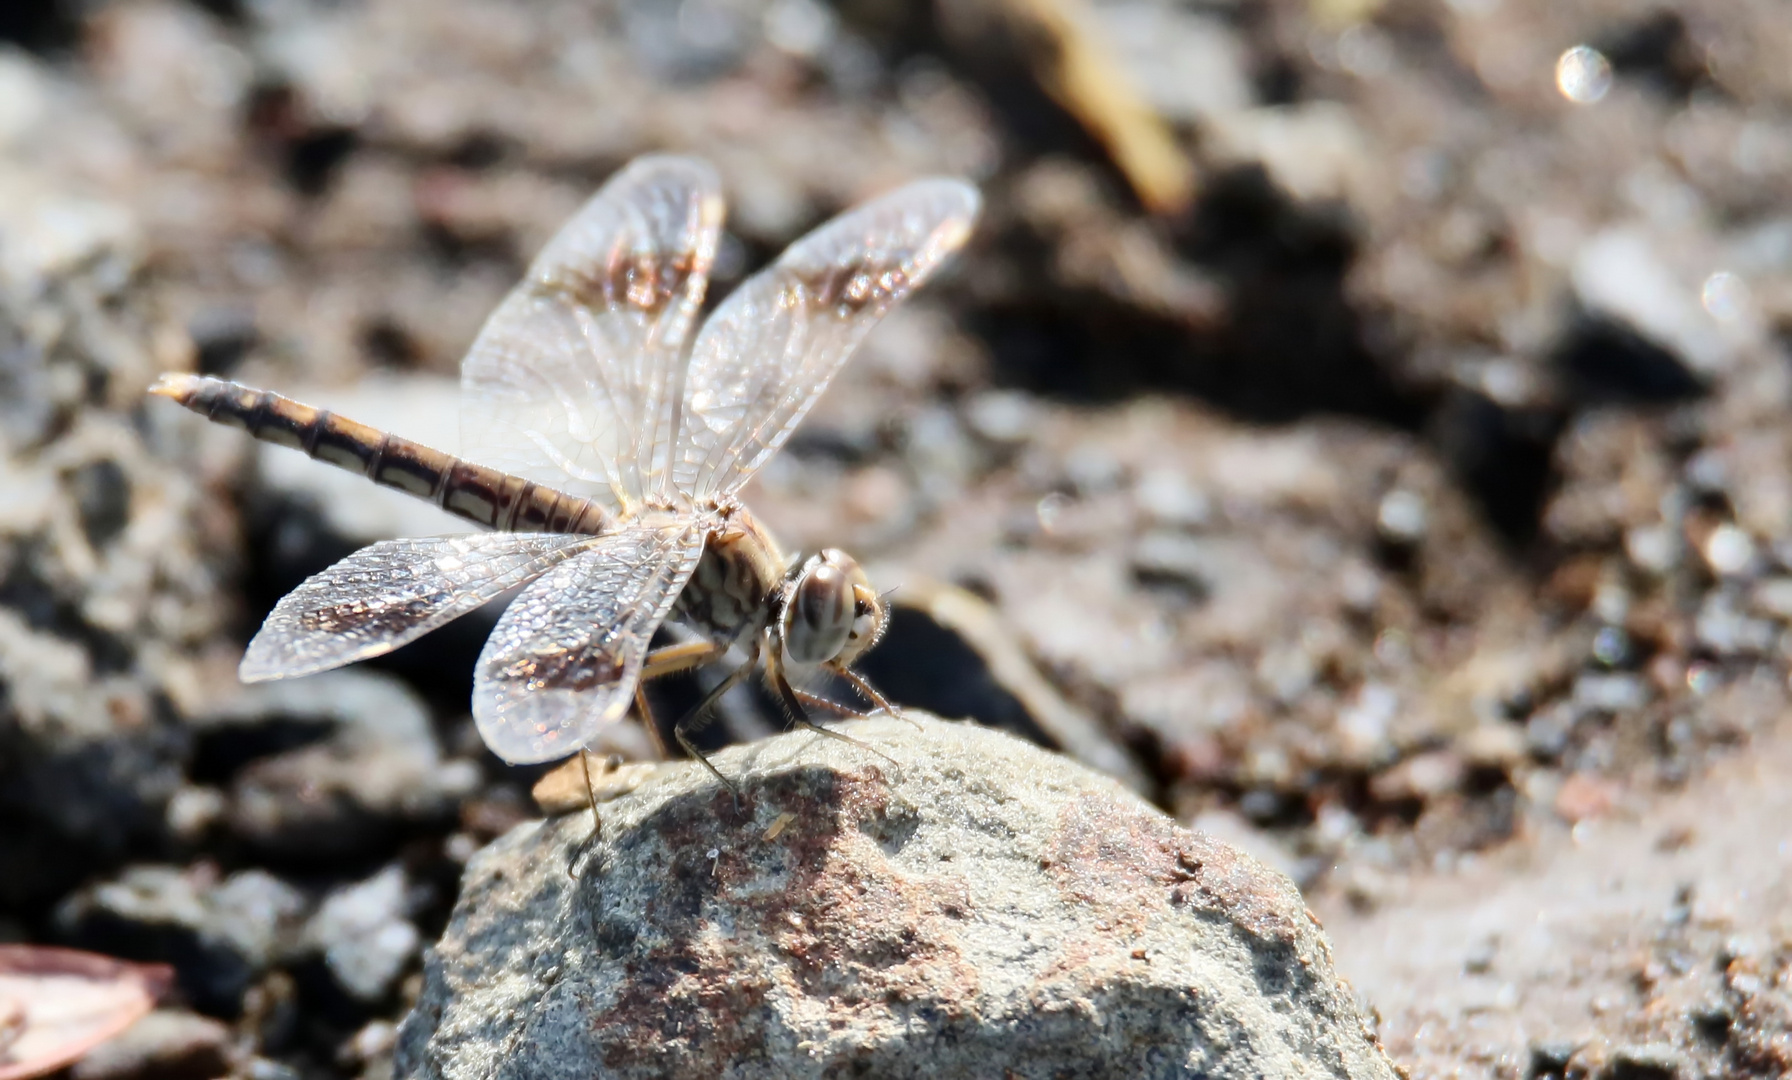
(391, 593)
(770, 349)
(565, 657)
(576, 379)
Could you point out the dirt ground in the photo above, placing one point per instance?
(1360, 425)
(1646, 937)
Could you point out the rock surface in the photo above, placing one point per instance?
(976, 907)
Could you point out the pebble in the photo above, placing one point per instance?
(1365, 722)
(1403, 517)
(1726, 631)
(1422, 777)
(1187, 65)
(167, 1044)
(218, 934)
(1005, 417)
(1772, 597)
(193, 810)
(256, 912)
(1647, 1061)
(1497, 745)
(1612, 693)
(1168, 498)
(1729, 551)
(1174, 558)
(1620, 273)
(366, 939)
(1480, 957)
(379, 766)
(1653, 548)
(1313, 151)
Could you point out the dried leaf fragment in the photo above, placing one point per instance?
(57, 1004)
(563, 790)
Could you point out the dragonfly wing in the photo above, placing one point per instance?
(576, 379)
(771, 348)
(391, 593)
(564, 659)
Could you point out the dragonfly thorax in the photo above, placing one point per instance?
(732, 593)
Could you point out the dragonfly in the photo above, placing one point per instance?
(606, 449)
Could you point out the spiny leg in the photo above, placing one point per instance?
(698, 718)
(644, 709)
(669, 661)
(863, 686)
(682, 657)
(572, 864)
(774, 674)
(597, 821)
(819, 702)
(590, 788)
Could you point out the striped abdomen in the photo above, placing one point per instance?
(474, 492)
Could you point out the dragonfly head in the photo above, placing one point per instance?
(831, 613)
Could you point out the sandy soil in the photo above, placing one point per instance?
(1637, 930)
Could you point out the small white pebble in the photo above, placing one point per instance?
(1403, 516)
(1652, 548)
(1729, 551)
(193, 810)
(1170, 499)
(1773, 597)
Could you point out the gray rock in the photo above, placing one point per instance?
(218, 935)
(1622, 273)
(168, 1044)
(364, 934)
(255, 911)
(976, 907)
(1187, 66)
(380, 765)
(101, 585)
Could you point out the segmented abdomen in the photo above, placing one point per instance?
(475, 492)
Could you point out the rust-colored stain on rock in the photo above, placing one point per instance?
(820, 913)
(1132, 868)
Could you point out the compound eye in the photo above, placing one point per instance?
(819, 616)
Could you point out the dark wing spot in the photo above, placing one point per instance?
(640, 280)
(575, 670)
(849, 288)
(359, 618)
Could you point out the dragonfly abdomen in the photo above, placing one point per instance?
(477, 493)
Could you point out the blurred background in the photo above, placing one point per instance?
(1358, 425)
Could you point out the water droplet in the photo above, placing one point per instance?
(1583, 75)
(1724, 295)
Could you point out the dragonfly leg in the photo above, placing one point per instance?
(597, 821)
(816, 701)
(590, 789)
(644, 709)
(863, 686)
(793, 704)
(683, 657)
(669, 661)
(699, 716)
